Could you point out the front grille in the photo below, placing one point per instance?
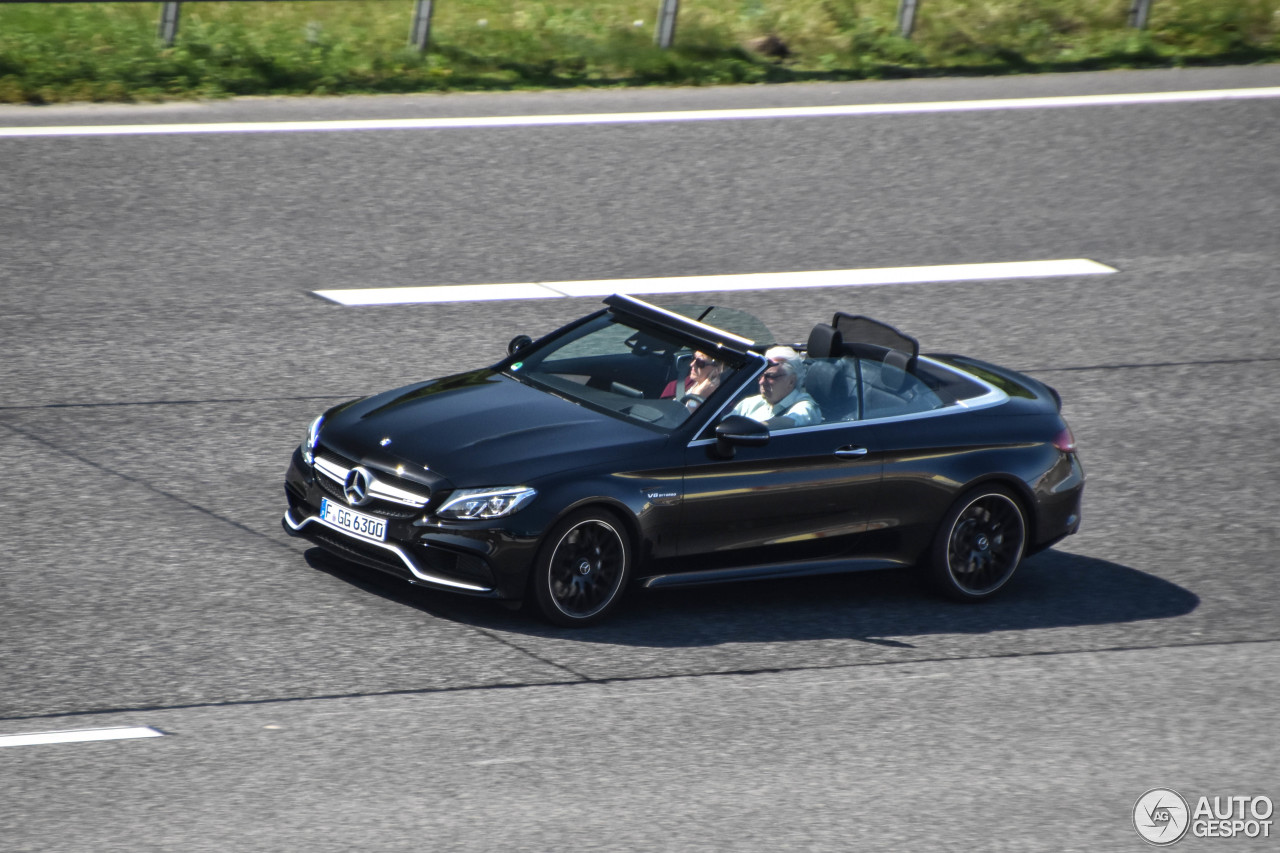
(384, 509)
(329, 486)
(329, 456)
(381, 505)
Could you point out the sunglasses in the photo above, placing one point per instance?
(701, 362)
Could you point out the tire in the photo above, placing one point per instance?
(979, 544)
(582, 569)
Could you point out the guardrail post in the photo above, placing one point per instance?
(1138, 14)
(666, 33)
(907, 17)
(169, 22)
(420, 33)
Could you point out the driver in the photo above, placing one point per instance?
(703, 378)
(781, 403)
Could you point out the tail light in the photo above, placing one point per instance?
(1065, 441)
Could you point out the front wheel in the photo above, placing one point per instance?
(582, 569)
(979, 544)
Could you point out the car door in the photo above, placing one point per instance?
(809, 494)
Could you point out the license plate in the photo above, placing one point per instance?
(355, 523)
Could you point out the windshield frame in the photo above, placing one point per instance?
(660, 341)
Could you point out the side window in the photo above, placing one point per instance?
(848, 389)
(824, 392)
(888, 391)
(833, 385)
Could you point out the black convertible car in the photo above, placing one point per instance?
(681, 446)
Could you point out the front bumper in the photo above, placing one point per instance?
(387, 556)
(489, 562)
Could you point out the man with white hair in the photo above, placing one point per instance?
(781, 403)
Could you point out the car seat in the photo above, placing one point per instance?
(830, 379)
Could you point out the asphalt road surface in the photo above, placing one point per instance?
(161, 355)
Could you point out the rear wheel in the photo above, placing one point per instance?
(582, 569)
(979, 545)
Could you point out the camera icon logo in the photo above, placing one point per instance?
(1161, 816)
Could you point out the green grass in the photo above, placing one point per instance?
(109, 51)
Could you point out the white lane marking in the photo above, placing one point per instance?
(441, 293)
(715, 283)
(475, 122)
(79, 736)
(492, 762)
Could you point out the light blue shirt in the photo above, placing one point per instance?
(797, 405)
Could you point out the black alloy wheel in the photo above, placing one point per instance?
(583, 568)
(979, 545)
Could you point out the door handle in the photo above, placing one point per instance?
(851, 452)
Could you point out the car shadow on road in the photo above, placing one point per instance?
(1051, 590)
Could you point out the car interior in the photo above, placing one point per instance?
(872, 374)
(855, 368)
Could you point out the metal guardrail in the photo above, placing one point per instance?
(171, 12)
(664, 32)
(1139, 12)
(665, 35)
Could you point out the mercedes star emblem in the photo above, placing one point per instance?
(356, 487)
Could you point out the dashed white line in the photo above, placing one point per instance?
(495, 762)
(475, 122)
(716, 283)
(80, 736)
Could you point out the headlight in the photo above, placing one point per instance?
(477, 504)
(313, 438)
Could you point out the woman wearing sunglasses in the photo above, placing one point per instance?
(703, 378)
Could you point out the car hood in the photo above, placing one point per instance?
(478, 429)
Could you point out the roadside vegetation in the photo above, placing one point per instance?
(110, 51)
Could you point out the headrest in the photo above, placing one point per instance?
(896, 379)
(824, 342)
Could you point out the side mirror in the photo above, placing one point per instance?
(518, 343)
(738, 430)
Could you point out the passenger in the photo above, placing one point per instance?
(703, 379)
(781, 402)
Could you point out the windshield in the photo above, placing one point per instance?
(729, 319)
(644, 374)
